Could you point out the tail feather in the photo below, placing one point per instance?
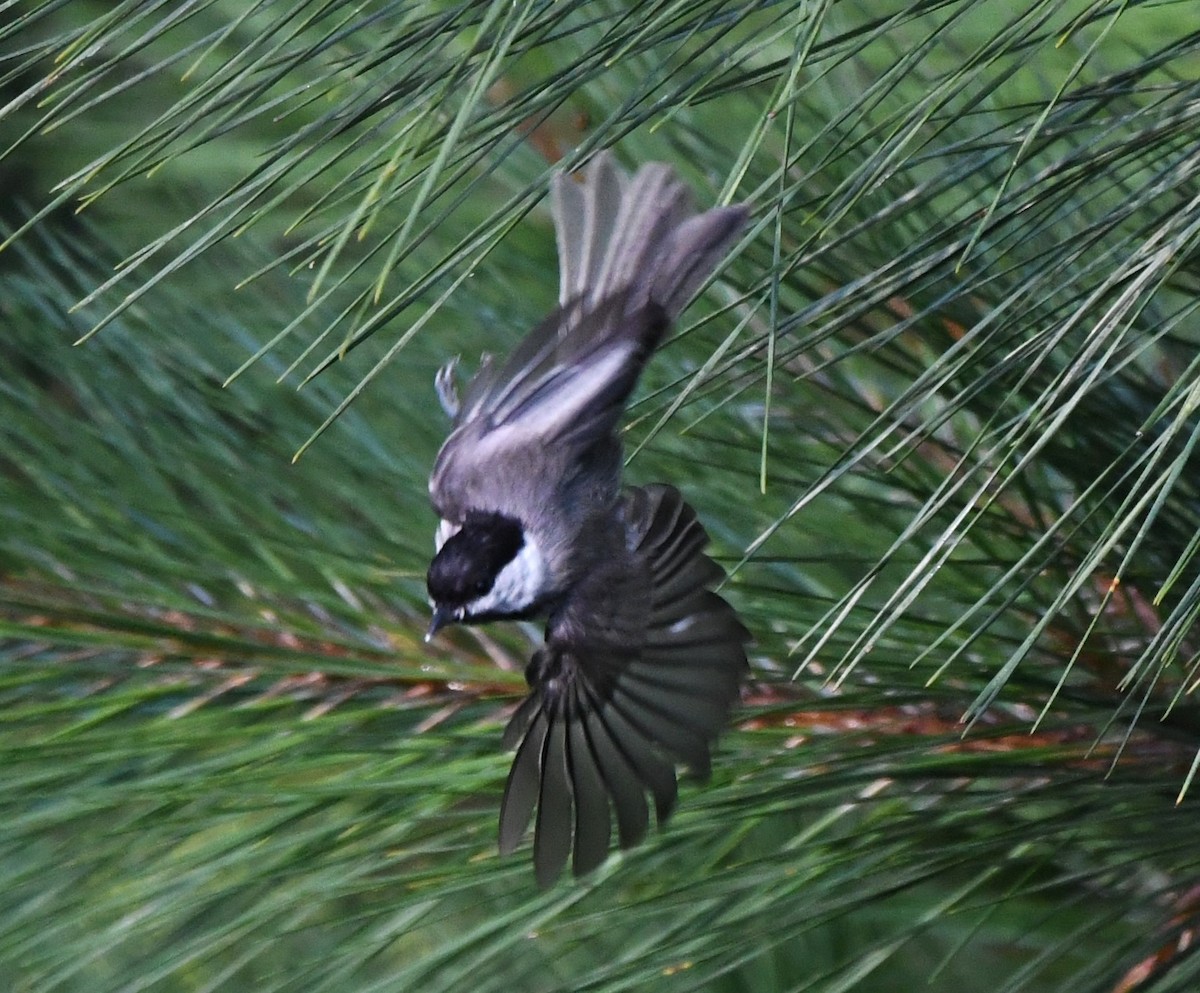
(636, 235)
(693, 252)
(584, 221)
(632, 253)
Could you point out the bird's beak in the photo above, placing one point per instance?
(441, 617)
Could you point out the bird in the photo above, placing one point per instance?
(642, 661)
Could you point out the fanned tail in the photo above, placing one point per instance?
(632, 254)
(636, 235)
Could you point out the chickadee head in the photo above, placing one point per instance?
(486, 568)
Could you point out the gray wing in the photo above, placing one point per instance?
(639, 672)
(560, 368)
(631, 254)
(522, 429)
(629, 249)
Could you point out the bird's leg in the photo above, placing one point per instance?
(446, 384)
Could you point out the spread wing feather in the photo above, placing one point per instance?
(593, 820)
(622, 781)
(552, 836)
(639, 671)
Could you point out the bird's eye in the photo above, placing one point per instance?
(482, 587)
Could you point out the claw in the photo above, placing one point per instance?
(446, 384)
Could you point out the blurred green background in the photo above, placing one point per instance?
(938, 414)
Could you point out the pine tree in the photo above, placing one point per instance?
(938, 414)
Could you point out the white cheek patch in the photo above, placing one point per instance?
(445, 531)
(519, 585)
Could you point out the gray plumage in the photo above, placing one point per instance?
(616, 233)
(642, 661)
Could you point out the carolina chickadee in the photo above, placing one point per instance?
(641, 661)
